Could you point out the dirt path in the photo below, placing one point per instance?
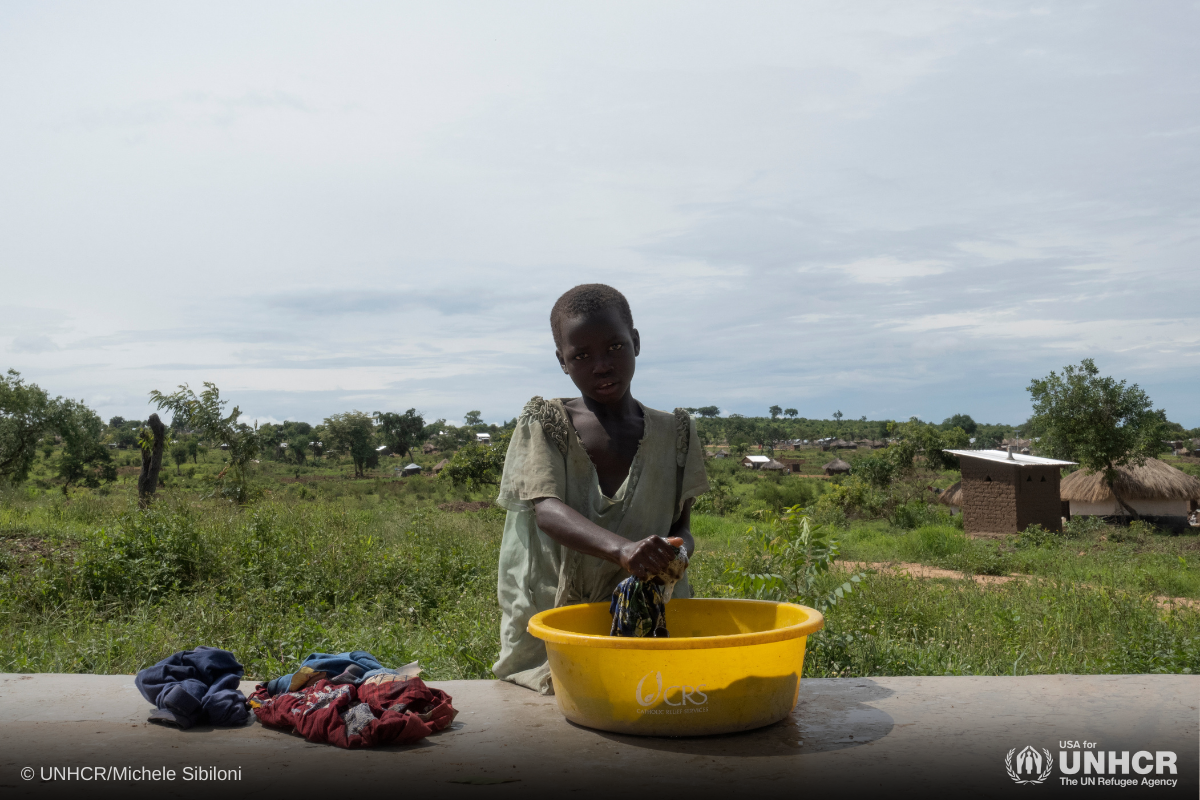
(934, 573)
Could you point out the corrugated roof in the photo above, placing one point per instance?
(757, 459)
(1017, 458)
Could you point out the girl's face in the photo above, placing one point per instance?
(598, 353)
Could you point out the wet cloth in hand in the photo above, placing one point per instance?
(639, 608)
(383, 709)
(195, 686)
(352, 667)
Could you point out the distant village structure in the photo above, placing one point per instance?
(1005, 492)
(1163, 494)
(837, 467)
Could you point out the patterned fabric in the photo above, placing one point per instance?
(382, 710)
(639, 608)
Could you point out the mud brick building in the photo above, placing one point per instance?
(1007, 492)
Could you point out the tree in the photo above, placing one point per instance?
(179, 454)
(765, 435)
(478, 465)
(85, 458)
(26, 414)
(1096, 421)
(352, 433)
(205, 414)
(402, 432)
(775, 411)
(708, 412)
(790, 413)
(298, 448)
(152, 440)
(963, 421)
(473, 418)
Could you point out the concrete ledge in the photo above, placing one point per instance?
(897, 736)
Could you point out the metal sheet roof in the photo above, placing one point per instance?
(1017, 458)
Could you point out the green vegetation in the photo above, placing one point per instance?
(293, 538)
(90, 584)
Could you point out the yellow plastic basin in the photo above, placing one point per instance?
(730, 665)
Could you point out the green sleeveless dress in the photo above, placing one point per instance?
(546, 459)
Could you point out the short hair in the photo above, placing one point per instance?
(585, 300)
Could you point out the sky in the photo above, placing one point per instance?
(887, 209)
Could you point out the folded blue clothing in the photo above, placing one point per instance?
(353, 667)
(194, 686)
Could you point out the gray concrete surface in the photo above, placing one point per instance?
(851, 737)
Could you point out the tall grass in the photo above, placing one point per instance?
(90, 584)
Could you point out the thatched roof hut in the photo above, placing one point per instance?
(438, 467)
(776, 465)
(1153, 489)
(837, 467)
(952, 496)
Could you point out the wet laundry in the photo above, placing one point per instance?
(382, 709)
(195, 686)
(639, 608)
(339, 668)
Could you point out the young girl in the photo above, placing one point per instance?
(593, 486)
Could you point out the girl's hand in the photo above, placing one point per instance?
(645, 559)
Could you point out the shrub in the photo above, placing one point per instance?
(1035, 536)
(146, 554)
(1080, 527)
(916, 513)
(788, 558)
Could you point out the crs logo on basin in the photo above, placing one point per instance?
(650, 690)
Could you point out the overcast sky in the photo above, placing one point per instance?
(890, 209)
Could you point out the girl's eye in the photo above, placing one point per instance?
(581, 356)
(616, 347)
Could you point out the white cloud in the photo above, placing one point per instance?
(899, 207)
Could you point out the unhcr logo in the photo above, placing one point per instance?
(1031, 766)
(650, 690)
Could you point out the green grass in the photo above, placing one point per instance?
(88, 584)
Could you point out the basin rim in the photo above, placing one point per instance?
(814, 623)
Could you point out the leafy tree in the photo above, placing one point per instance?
(26, 415)
(179, 454)
(205, 414)
(352, 433)
(922, 438)
(193, 449)
(1096, 421)
(116, 422)
(766, 435)
(477, 465)
(402, 432)
(85, 458)
(708, 412)
(790, 413)
(775, 411)
(473, 418)
(963, 421)
(298, 449)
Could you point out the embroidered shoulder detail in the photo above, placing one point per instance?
(551, 418)
(683, 435)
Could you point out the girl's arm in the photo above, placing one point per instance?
(683, 527)
(642, 559)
